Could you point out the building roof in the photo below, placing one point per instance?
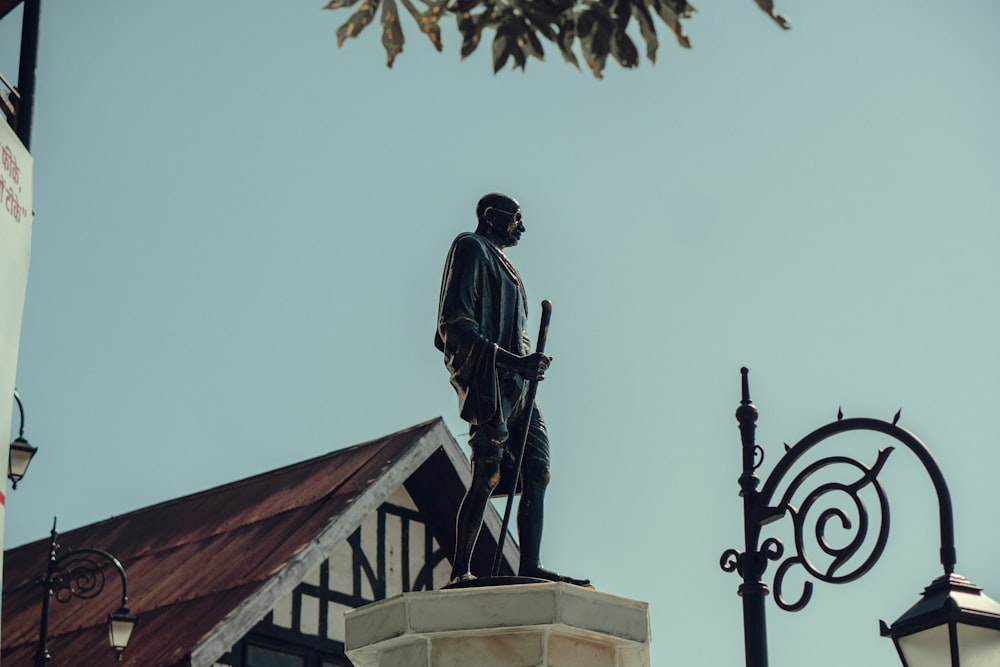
(205, 568)
(7, 5)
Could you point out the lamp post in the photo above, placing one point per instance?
(953, 625)
(20, 453)
(80, 573)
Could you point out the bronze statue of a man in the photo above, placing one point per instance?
(482, 330)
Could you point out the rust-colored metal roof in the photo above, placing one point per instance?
(191, 562)
(7, 5)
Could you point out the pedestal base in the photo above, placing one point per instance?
(529, 625)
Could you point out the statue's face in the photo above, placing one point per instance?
(508, 225)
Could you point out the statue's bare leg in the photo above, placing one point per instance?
(485, 476)
(530, 519)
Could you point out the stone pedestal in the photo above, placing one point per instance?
(528, 625)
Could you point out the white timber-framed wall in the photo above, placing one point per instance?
(393, 551)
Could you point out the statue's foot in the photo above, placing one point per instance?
(539, 572)
(461, 578)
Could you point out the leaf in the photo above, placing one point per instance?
(515, 41)
(564, 40)
(646, 28)
(339, 4)
(548, 32)
(681, 36)
(428, 21)
(392, 32)
(542, 17)
(433, 32)
(767, 6)
(623, 49)
(501, 51)
(517, 52)
(533, 46)
(594, 27)
(471, 28)
(895, 418)
(358, 21)
(672, 11)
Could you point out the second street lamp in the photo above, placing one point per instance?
(954, 625)
(80, 573)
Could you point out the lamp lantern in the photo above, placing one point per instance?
(120, 627)
(21, 451)
(20, 455)
(953, 625)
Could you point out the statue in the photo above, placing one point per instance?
(481, 329)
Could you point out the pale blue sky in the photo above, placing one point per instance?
(240, 231)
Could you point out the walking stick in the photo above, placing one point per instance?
(543, 332)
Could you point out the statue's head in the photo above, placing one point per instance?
(500, 218)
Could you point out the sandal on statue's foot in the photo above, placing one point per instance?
(462, 578)
(542, 573)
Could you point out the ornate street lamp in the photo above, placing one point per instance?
(954, 624)
(20, 450)
(80, 573)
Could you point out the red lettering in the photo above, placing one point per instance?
(14, 207)
(10, 164)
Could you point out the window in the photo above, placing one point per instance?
(258, 656)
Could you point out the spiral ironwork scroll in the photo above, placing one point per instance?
(817, 516)
(732, 559)
(840, 557)
(79, 574)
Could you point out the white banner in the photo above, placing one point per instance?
(15, 250)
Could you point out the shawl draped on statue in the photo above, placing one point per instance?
(482, 307)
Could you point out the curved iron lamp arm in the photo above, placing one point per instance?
(20, 407)
(759, 511)
(77, 573)
(901, 435)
